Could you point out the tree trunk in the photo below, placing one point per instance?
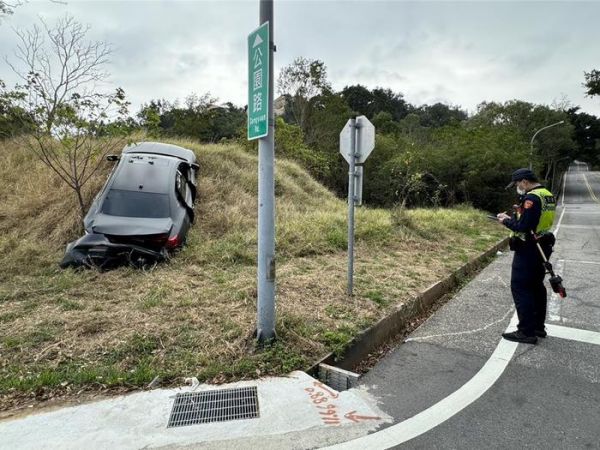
(549, 169)
(49, 122)
(81, 202)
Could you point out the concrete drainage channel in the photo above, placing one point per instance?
(336, 371)
(336, 378)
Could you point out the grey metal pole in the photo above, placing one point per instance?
(265, 329)
(351, 176)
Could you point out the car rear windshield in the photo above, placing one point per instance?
(136, 204)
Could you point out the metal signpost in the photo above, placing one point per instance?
(357, 141)
(261, 126)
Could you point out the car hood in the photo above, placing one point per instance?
(129, 226)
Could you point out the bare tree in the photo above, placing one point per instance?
(76, 126)
(81, 138)
(55, 69)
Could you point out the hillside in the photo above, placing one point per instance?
(64, 333)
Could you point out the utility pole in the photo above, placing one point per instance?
(265, 329)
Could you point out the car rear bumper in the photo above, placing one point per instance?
(95, 250)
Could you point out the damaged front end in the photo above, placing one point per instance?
(104, 252)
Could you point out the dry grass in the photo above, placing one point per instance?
(65, 332)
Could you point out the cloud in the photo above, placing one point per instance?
(457, 52)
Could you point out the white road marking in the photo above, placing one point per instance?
(445, 408)
(564, 187)
(573, 334)
(582, 227)
(560, 220)
(581, 262)
(464, 396)
(555, 303)
(591, 191)
(458, 333)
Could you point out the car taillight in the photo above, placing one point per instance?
(173, 242)
(159, 239)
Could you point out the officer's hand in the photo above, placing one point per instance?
(502, 217)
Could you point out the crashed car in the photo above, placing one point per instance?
(143, 212)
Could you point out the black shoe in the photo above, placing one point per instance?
(541, 333)
(519, 336)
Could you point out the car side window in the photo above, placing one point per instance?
(181, 187)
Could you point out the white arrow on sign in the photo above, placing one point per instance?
(257, 41)
(365, 142)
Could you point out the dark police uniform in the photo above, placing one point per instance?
(535, 213)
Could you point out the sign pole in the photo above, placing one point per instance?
(265, 330)
(351, 175)
(357, 141)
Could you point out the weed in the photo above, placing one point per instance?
(11, 342)
(337, 311)
(230, 329)
(154, 298)
(8, 317)
(280, 358)
(136, 348)
(337, 341)
(377, 297)
(74, 374)
(40, 335)
(337, 238)
(186, 302)
(69, 305)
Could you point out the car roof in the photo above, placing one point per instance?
(145, 173)
(158, 148)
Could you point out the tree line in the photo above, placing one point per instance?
(425, 155)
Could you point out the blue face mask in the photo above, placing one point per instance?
(520, 191)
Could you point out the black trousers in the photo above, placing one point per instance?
(527, 286)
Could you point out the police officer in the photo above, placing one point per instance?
(531, 222)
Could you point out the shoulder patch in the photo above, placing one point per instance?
(528, 204)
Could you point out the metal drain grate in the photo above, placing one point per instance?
(218, 405)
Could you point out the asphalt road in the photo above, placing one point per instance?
(456, 384)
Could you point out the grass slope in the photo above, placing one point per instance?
(64, 333)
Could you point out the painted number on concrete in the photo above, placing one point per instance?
(322, 398)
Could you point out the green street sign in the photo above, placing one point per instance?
(258, 82)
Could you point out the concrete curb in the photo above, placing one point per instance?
(397, 321)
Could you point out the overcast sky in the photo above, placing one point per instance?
(460, 53)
